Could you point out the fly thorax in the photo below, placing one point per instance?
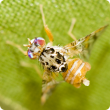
(53, 59)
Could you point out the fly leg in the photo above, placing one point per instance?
(47, 30)
(25, 53)
(48, 85)
(70, 30)
(24, 64)
(17, 46)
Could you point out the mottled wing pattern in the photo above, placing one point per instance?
(48, 85)
(82, 47)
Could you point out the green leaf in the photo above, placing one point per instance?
(20, 87)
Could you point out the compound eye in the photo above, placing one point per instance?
(30, 54)
(39, 41)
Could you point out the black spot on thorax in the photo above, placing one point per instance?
(41, 58)
(63, 59)
(59, 55)
(51, 56)
(64, 68)
(48, 68)
(53, 67)
(43, 54)
(58, 61)
(49, 51)
(47, 63)
(43, 63)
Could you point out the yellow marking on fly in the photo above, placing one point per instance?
(76, 72)
(86, 39)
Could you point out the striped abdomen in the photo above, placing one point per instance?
(76, 72)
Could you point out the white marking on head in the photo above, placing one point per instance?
(36, 50)
(32, 47)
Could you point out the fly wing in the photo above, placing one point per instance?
(48, 85)
(82, 47)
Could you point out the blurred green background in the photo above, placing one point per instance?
(20, 87)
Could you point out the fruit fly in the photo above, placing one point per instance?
(64, 60)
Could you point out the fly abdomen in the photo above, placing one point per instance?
(76, 72)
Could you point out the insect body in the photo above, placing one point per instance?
(56, 59)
